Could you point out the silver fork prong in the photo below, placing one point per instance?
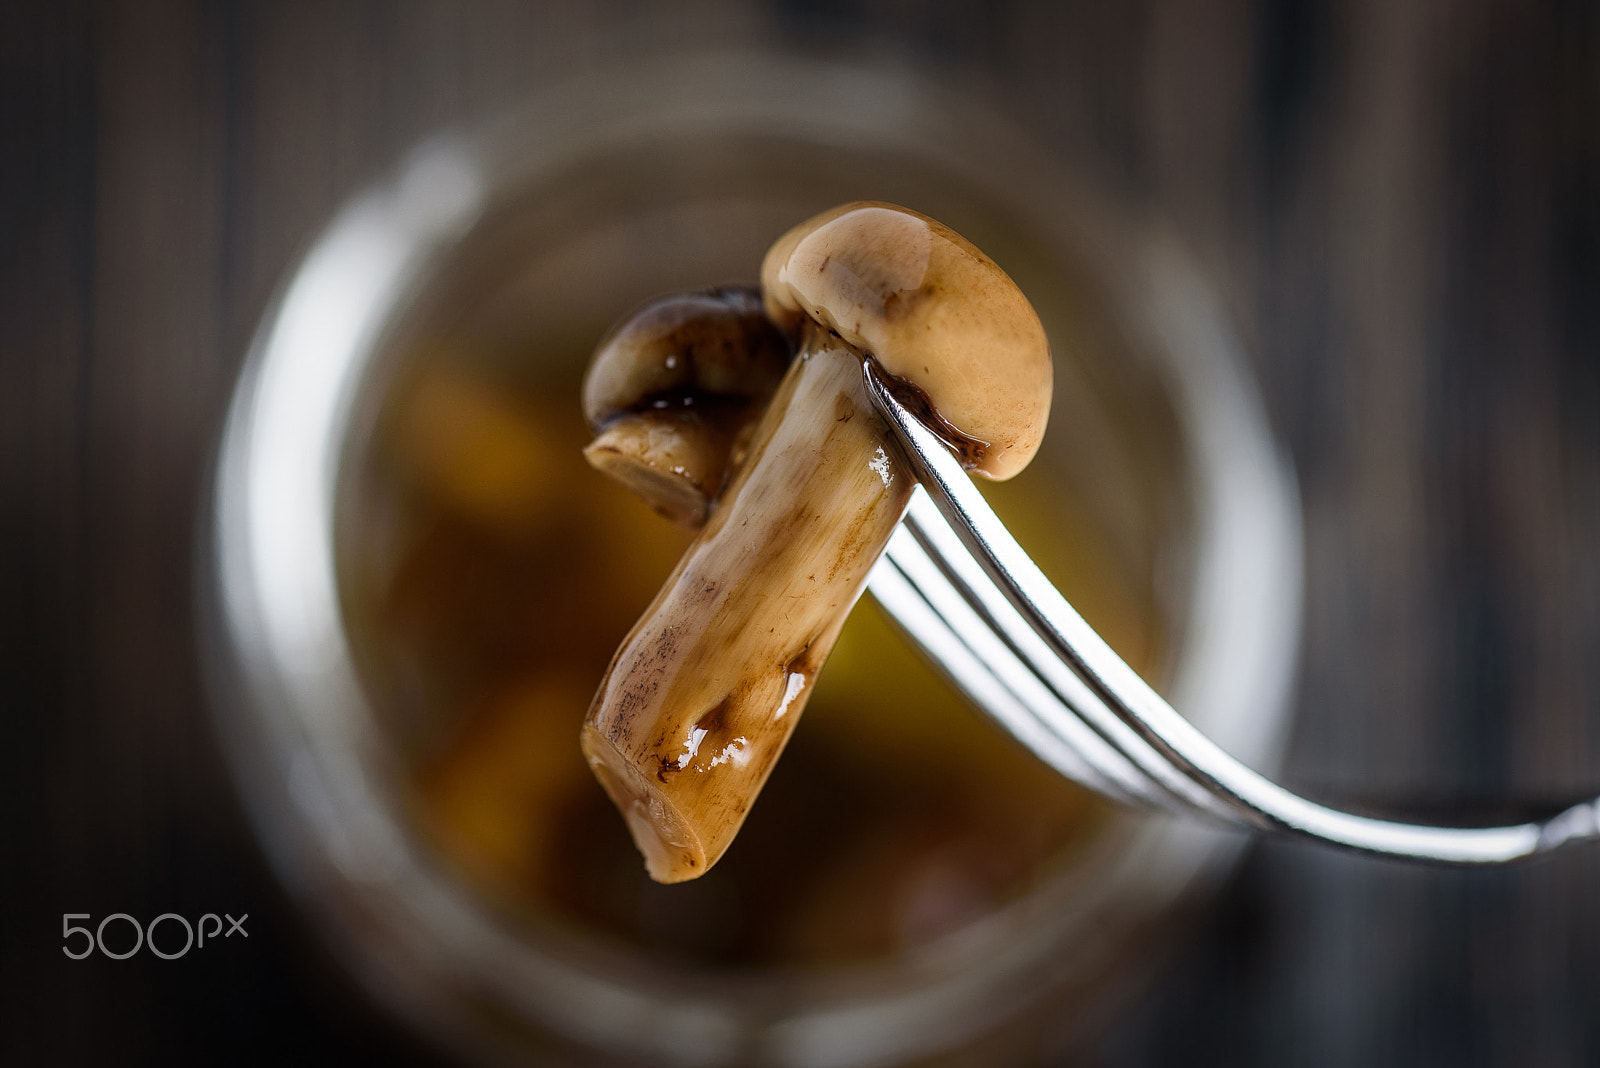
(1174, 743)
(1069, 707)
(899, 583)
(916, 592)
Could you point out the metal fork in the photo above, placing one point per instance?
(964, 590)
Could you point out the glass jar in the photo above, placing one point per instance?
(401, 364)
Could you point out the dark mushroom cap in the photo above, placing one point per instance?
(933, 311)
(672, 390)
(687, 350)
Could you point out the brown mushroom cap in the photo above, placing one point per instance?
(933, 311)
(674, 389)
(686, 350)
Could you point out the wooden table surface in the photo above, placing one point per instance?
(1400, 201)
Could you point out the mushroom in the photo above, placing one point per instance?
(704, 693)
(673, 391)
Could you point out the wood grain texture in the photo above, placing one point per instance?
(1401, 203)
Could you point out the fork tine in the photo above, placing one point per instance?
(991, 685)
(917, 594)
(1069, 707)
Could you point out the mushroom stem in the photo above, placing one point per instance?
(704, 692)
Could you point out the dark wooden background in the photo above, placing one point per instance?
(1400, 200)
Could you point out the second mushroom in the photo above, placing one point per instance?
(706, 689)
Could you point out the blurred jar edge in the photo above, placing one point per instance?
(322, 789)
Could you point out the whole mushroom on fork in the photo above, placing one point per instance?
(703, 694)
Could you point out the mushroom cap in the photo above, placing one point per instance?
(933, 311)
(687, 350)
